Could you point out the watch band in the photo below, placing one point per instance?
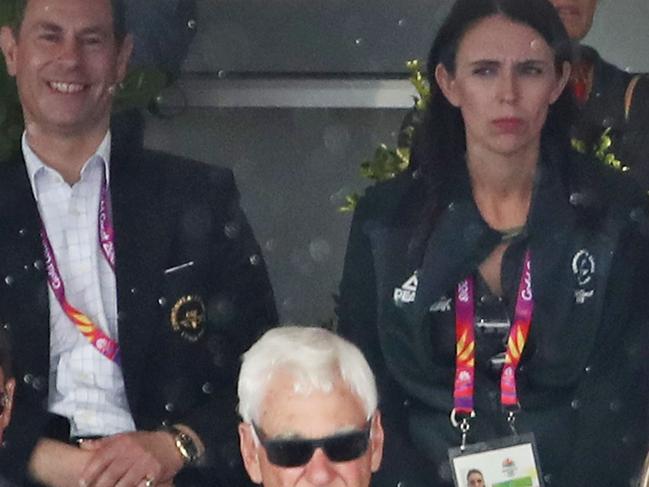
(184, 444)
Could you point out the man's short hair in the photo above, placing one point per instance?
(119, 17)
(5, 355)
(315, 357)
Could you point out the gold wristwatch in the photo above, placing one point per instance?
(184, 444)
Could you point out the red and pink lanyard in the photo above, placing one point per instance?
(465, 345)
(95, 335)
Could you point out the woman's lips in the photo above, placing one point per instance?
(508, 124)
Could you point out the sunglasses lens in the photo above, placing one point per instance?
(341, 447)
(289, 453)
(346, 447)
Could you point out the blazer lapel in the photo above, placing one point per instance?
(141, 243)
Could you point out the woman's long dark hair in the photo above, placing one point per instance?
(439, 143)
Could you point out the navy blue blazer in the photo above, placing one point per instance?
(167, 211)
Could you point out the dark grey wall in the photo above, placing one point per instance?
(307, 36)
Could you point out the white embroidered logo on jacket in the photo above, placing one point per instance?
(407, 292)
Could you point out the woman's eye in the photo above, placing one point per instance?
(532, 70)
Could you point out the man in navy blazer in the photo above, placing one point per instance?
(130, 280)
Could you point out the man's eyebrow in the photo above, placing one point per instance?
(48, 26)
(52, 27)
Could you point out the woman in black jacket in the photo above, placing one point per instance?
(496, 206)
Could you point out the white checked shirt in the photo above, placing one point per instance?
(85, 386)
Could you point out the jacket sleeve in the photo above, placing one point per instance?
(357, 301)
(613, 393)
(240, 308)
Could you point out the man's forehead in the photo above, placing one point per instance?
(311, 413)
(74, 14)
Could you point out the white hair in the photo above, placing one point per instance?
(315, 357)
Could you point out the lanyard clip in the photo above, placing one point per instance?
(511, 412)
(460, 420)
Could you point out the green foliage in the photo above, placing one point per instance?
(138, 90)
(388, 162)
(602, 149)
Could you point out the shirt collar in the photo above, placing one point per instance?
(35, 165)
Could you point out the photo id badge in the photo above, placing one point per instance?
(505, 462)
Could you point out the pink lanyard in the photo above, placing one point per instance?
(465, 345)
(97, 338)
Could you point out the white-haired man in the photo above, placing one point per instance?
(309, 406)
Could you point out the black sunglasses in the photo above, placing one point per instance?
(295, 452)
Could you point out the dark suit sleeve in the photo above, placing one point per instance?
(240, 307)
(357, 299)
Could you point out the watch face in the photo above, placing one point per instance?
(186, 447)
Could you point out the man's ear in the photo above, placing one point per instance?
(446, 83)
(124, 57)
(250, 452)
(9, 44)
(376, 442)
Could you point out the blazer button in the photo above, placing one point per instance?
(9, 280)
(38, 383)
(169, 407)
(255, 259)
(162, 301)
(22, 232)
(38, 265)
(207, 388)
(28, 378)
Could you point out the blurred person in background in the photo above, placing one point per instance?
(610, 100)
